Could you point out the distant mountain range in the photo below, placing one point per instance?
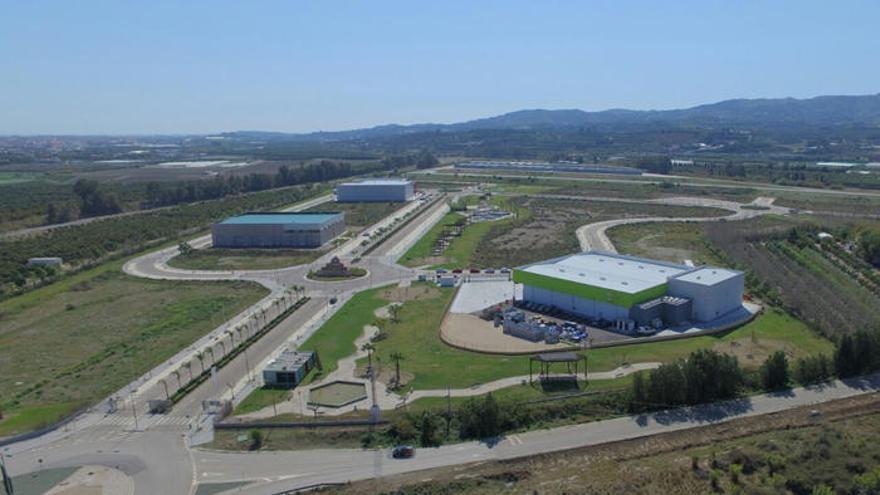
(765, 112)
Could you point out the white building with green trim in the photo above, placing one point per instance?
(615, 287)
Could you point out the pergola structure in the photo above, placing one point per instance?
(548, 358)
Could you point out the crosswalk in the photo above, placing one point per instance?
(143, 422)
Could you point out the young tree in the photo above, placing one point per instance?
(774, 371)
(397, 357)
(428, 430)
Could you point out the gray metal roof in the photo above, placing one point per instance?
(626, 274)
(289, 360)
(378, 182)
(708, 275)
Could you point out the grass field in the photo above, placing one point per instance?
(359, 216)
(420, 251)
(244, 259)
(670, 241)
(261, 398)
(431, 364)
(17, 177)
(76, 341)
(335, 339)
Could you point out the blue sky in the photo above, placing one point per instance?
(120, 67)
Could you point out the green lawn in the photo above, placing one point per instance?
(434, 365)
(244, 259)
(335, 339)
(76, 341)
(261, 398)
(421, 250)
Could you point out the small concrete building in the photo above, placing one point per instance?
(289, 369)
(375, 191)
(278, 230)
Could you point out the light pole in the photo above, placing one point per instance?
(133, 408)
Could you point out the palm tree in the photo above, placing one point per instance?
(189, 367)
(231, 337)
(176, 374)
(223, 345)
(394, 312)
(165, 386)
(201, 357)
(397, 357)
(369, 348)
(213, 357)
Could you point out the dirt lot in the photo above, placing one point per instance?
(680, 462)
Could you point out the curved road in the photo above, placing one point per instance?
(593, 236)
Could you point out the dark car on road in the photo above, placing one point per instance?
(403, 452)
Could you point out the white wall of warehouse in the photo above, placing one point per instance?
(355, 193)
(574, 304)
(710, 301)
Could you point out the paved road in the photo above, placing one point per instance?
(593, 236)
(277, 471)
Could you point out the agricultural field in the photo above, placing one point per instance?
(106, 320)
(244, 259)
(821, 283)
(86, 244)
(845, 205)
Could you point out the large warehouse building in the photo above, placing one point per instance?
(276, 229)
(616, 287)
(375, 190)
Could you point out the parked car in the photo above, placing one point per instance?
(403, 452)
(505, 270)
(475, 270)
(457, 270)
(489, 270)
(442, 270)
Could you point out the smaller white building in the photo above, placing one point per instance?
(714, 291)
(375, 191)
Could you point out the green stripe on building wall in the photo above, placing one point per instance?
(587, 291)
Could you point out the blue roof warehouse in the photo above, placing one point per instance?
(278, 230)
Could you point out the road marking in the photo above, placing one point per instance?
(515, 440)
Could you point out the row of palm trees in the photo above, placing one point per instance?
(245, 330)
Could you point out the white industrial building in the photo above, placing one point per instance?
(375, 191)
(615, 287)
